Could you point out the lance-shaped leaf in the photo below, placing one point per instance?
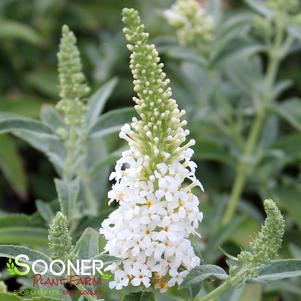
(98, 100)
(87, 246)
(24, 235)
(111, 122)
(68, 195)
(203, 272)
(290, 110)
(45, 211)
(13, 122)
(12, 166)
(12, 251)
(278, 270)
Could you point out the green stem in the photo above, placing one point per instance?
(243, 169)
(212, 295)
(71, 152)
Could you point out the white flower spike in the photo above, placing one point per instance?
(157, 212)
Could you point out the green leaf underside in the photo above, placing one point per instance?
(204, 272)
(278, 270)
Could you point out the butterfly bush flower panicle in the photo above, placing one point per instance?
(266, 245)
(194, 26)
(157, 211)
(73, 88)
(60, 242)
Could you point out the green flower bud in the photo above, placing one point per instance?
(158, 135)
(60, 242)
(73, 88)
(194, 26)
(266, 245)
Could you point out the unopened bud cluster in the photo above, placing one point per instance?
(193, 24)
(157, 211)
(60, 242)
(266, 245)
(73, 88)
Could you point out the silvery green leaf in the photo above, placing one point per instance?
(68, 193)
(260, 7)
(278, 270)
(12, 122)
(295, 31)
(12, 251)
(290, 110)
(98, 100)
(203, 272)
(104, 162)
(31, 236)
(87, 246)
(51, 117)
(45, 210)
(12, 166)
(111, 122)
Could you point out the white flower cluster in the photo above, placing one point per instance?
(150, 228)
(157, 211)
(193, 23)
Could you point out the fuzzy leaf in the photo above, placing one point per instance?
(45, 210)
(259, 7)
(203, 272)
(51, 117)
(11, 251)
(13, 122)
(98, 100)
(111, 122)
(68, 194)
(290, 110)
(24, 235)
(12, 166)
(87, 246)
(278, 270)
